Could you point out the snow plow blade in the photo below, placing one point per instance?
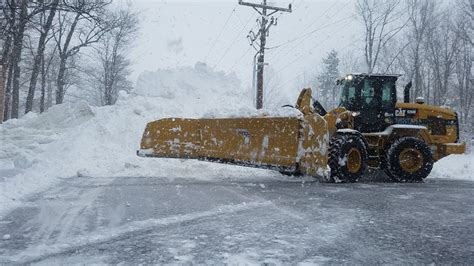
(290, 144)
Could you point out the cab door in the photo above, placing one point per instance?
(377, 97)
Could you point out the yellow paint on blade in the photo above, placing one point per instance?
(292, 143)
(271, 141)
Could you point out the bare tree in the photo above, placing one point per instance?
(464, 80)
(50, 76)
(22, 12)
(18, 35)
(39, 57)
(381, 21)
(46, 81)
(463, 60)
(442, 43)
(350, 62)
(112, 53)
(421, 14)
(467, 11)
(8, 24)
(81, 25)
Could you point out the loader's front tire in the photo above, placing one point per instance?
(290, 173)
(347, 157)
(408, 160)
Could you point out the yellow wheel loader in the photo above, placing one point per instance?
(368, 129)
(402, 138)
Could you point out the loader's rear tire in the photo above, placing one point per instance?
(347, 158)
(408, 160)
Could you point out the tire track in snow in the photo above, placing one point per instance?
(66, 210)
(42, 251)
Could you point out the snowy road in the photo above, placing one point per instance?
(155, 220)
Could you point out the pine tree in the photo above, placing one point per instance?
(327, 86)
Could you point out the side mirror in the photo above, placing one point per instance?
(338, 82)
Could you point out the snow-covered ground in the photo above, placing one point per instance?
(75, 139)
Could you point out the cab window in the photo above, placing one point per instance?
(348, 94)
(387, 95)
(368, 94)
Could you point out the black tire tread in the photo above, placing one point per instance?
(335, 147)
(391, 166)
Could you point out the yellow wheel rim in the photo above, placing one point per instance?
(411, 160)
(354, 160)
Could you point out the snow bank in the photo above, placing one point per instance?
(455, 167)
(24, 139)
(71, 140)
(198, 84)
(252, 112)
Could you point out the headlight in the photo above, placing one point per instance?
(354, 114)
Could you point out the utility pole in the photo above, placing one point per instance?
(262, 34)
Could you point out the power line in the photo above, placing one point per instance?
(234, 40)
(303, 54)
(312, 32)
(279, 15)
(302, 73)
(303, 35)
(316, 30)
(240, 58)
(220, 33)
(242, 22)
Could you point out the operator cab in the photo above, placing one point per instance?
(372, 98)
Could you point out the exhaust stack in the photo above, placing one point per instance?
(406, 93)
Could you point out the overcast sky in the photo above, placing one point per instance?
(181, 33)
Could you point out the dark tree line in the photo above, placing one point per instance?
(48, 46)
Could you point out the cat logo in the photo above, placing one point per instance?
(243, 132)
(405, 112)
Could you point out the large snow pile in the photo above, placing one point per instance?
(71, 140)
(455, 167)
(198, 83)
(201, 92)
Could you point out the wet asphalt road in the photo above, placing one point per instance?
(154, 220)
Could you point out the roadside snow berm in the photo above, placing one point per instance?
(368, 129)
